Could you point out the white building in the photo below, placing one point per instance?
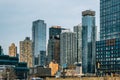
(68, 48)
(78, 30)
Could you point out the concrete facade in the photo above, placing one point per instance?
(78, 31)
(68, 48)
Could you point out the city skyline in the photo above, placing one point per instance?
(60, 39)
(17, 17)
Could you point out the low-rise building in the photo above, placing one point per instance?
(54, 68)
(39, 71)
(20, 68)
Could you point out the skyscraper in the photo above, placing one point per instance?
(39, 40)
(88, 41)
(109, 19)
(107, 49)
(78, 30)
(13, 50)
(68, 54)
(54, 44)
(26, 52)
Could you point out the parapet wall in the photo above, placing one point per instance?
(86, 78)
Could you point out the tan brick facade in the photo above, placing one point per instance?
(12, 50)
(26, 52)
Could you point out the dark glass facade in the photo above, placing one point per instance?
(108, 56)
(109, 19)
(0, 50)
(54, 43)
(54, 32)
(42, 58)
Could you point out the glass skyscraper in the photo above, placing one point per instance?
(109, 19)
(39, 40)
(88, 41)
(107, 49)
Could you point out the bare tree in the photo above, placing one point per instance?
(9, 73)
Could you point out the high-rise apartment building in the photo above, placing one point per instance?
(54, 44)
(88, 41)
(26, 52)
(78, 30)
(68, 54)
(39, 40)
(109, 19)
(13, 50)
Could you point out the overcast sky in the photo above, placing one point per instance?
(16, 16)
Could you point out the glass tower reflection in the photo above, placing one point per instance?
(88, 41)
(39, 40)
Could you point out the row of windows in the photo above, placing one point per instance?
(109, 3)
(110, 30)
(116, 53)
(110, 67)
(108, 46)
(109, 37)
(110, 23)
(106, 60)
(111, 34)
(104, 42)
(108, 10)
(112, 48)
(107, 56)
(109, 62)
